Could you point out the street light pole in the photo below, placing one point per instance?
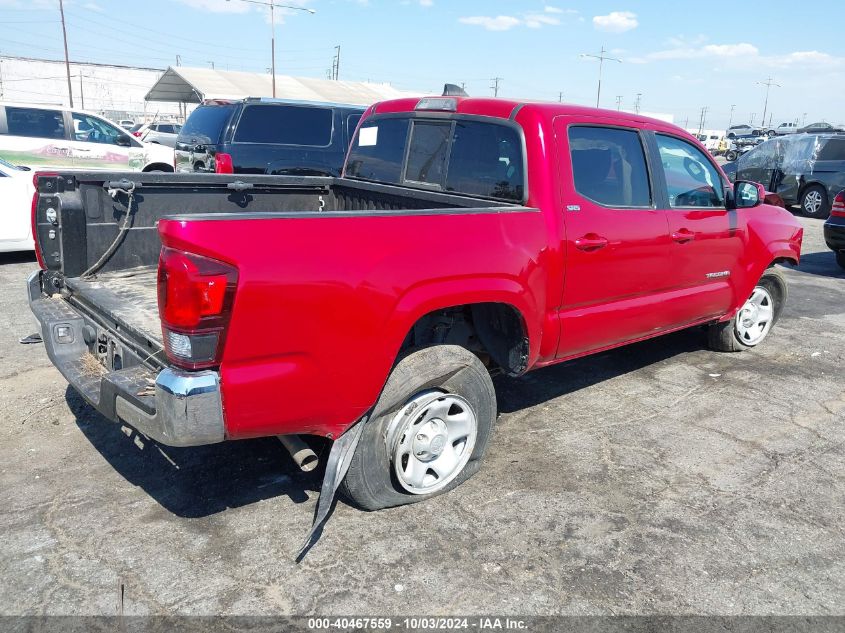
(273, 5)
(601, 57)
(67, 60)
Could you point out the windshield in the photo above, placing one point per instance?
(206, 123)
(11, 166)
(462, 156)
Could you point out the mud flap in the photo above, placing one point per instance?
(339, 458)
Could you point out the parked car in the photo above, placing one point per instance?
(710, 141)
(161, 133)
(804, 169)
(466, 236)
(56, 137)
(126, 124)
(267, 136)
(743, 130)
(784, 128)
(822, 127)
(16, 190)
(834, 228)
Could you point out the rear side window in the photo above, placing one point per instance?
(34, 122)
(285, 125)
(608, 166)
(206, 123)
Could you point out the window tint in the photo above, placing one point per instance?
(165, 128)
(378, 150)
(427, 156)
(35, 122)
(764, 156)
(90, 129)
(206, 123)
(608, 166)
(833, 149)
(486, 160)
(285, 125)
(691, 179)
(352, 123)
(483, 159)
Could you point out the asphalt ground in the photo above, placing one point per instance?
(659, 478)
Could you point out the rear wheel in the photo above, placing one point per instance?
(755, 319)
(730, 155)
(428, 432)
(814, 202)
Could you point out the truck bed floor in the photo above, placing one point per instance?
(127, 296)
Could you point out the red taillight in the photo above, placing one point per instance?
(195, 297)
(136, 134)
(837, 209)
(34, 218)
(223, 164)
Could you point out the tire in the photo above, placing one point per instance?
(731, 135)
(814, 202)
(735, 335)
(429, 378)
(840, 258)
(730, 155)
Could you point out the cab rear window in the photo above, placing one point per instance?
(460, 156)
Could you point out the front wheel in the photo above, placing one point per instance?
(730, 155)
(814, 202)
(755, 319)
(428, 432)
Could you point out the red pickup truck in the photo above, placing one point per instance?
(466, 237)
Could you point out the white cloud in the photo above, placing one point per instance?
(218, 6)
(553, 10)
(93, 6)
(535, 21)
(499, 23)
(616, 21)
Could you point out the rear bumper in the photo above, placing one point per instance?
(834, 233)
(176, 408)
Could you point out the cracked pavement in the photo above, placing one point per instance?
(658, 478)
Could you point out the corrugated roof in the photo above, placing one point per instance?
(192, 85)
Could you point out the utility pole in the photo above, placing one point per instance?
(560, 97)
(212, 64)
(731, 118)
(751, 122)
(336, 64)
(67, 59)
(637, 102)
(702, 119)
(178, 60)
(804, 120)
(81, 93)
(495, 86)
(601, 57)
(768, 83)
(618, 102)
(686, 122)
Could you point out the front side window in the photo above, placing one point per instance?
(90, 129)
(35, 122)
(285, 125)
(608, 166)
(691, 179)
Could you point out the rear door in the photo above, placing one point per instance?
(707, 239)
(35, 137)
(617, 241)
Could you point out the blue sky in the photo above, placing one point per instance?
(680, 56)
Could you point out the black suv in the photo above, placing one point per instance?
(267, 136)
(805, 169)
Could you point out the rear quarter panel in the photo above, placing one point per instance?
(324, 303)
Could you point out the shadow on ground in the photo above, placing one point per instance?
(17, 258)
(203, 480)
(821, 263)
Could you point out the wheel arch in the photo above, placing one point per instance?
(158, 167)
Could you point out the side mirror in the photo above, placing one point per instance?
(746, 195)
(123, 141)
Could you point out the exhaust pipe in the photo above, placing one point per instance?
(299, 451)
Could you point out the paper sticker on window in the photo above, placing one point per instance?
(367, 136)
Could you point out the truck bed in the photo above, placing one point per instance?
(127, 297)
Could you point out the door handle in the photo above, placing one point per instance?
(590, 242)
(82, 149)
(682, 236)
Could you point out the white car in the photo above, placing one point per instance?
(16, 191)
(52, 137)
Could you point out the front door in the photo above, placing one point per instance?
(95, 144)
(707, 239)
(617, 241)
